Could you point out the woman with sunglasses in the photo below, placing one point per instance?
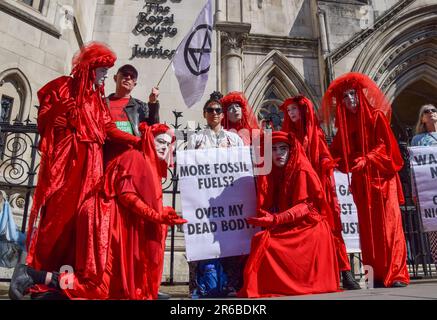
(214, 136)
(228, 269)
(426, 127)
(426, 135)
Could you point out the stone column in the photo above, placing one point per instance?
(323, 31)
(233, 35)
(220, 10)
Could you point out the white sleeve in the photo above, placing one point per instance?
(192, 142)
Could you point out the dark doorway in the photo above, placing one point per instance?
(406, 107)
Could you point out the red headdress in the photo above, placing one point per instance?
(90, 57)
(248, 120)
(307, 130)
(276, 188)
(370, 99)
(149, 150)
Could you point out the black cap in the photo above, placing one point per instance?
(128, 69)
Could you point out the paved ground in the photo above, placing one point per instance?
(417, 290)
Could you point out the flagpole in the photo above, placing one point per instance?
(171, 61)
(165, 71)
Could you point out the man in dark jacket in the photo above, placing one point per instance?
(128, 112)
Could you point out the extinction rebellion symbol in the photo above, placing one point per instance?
(197, 46)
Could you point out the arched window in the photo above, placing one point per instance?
(15, 100)
(269, 114)
(14, 96)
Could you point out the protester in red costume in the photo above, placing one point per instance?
(295, 254)
(300, 119)
(138, 222)
(239, 117)
(73, 121)
(368, 149)
(135, 253)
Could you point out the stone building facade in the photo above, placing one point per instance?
(269, 49)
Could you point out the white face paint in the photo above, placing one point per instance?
(101, 75)
(235, 113)
(350, 100)
(293, 112)
(280, 154)
(162, 145)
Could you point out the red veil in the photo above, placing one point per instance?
(59, 145)
(295, 258)
(372, 103)
(138, 244)
(248, 120)
(366, 136)
(312, 137)
(307, 131)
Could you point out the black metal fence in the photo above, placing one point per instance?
(19, 161)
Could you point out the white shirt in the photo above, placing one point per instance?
(207, 138)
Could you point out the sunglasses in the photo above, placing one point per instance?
(430, 111)
(212, 110)
(128, 74)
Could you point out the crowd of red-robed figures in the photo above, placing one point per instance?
(110, 225)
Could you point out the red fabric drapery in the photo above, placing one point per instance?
(292, 259)
(366, 134)
(307, 130)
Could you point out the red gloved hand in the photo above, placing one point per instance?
(294, 214)
(60, 121)
(264, 222)
(171, 218)
(329, 165)
(359, 164)
(263, 213)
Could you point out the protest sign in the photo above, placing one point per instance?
(217, 196)
(348, 213)
(423, 161)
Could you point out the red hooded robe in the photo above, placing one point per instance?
(297, 258)
(312, 138)
(376, 189)
(136, 244)
(73, 121)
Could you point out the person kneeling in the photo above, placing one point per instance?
(295, 253)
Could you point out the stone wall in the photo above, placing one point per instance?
(39, 45)
(115, 23)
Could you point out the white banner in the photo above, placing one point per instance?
(423, 161)
(217, 196)
(348, 213)
(192, 60)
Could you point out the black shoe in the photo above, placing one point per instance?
(20, 282)
(163, 296)
(399, 284)
(349, 283)
(48, 295)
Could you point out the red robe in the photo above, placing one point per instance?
(73, 224)
(312, 138)
(136, 246)
(377, 193)
(292, 259)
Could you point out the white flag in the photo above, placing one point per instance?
(193, 57)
